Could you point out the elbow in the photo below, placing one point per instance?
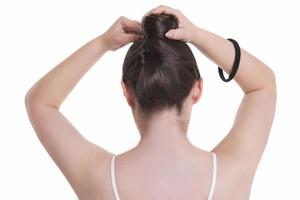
(269, 79)
(268, 82)
(30, 103)
(33, 107)
(27, 99)
(273, 77)
(270, 86)
(271, 83)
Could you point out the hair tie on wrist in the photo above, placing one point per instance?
(236, 62)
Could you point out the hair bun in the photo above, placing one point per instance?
(157, 25)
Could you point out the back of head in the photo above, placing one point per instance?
(159, 71)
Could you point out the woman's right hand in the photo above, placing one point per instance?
(186, 29)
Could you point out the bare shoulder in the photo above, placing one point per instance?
(97, 178)
(230, 182)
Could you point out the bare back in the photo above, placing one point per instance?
(188, 176)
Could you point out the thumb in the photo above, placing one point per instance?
(176, 34)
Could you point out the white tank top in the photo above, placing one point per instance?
(212, 186)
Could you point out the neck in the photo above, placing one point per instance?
(164, 132)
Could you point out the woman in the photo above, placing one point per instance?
(161, 83)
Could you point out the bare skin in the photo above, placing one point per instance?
(164, 164)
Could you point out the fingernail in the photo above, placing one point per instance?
(168, 34)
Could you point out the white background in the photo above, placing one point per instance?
(37, 35)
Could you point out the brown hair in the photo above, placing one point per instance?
(159, 71)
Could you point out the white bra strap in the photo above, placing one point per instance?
(214, 176)
(113, 178)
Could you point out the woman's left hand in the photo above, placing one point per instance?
(122, 32)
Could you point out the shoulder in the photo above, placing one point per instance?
(95, 180)
(231, 180)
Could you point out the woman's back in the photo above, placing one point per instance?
(188, 174)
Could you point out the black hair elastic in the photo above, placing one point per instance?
(236, 62)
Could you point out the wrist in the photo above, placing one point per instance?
(197, 35)
(102, 43)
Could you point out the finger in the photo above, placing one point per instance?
(130, 26)
(153, 11)
(164, 9)
(157, 9)
(147, 13)
(175, 34)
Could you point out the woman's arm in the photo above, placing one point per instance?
(245, 142)
(79, 160)
(252, 73)
(249, 134)
(54, 87)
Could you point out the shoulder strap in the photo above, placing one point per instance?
(214, 176)
(113, 178)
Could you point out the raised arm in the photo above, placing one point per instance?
(248, 136)
(77, 158)
(243, 146)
